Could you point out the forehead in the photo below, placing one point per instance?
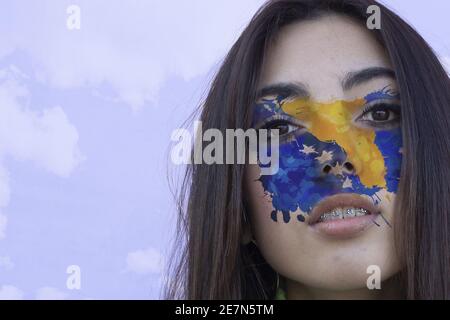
(320, 52)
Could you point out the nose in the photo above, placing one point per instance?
(338, 169)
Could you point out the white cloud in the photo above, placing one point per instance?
(8, 292)
(148, 261)
(46, 138)
(132, 48)
(6, 263)
(50, 293)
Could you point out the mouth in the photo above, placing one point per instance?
(343, 215)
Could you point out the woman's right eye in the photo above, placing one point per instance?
(283, 126)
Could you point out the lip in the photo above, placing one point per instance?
(343, 228)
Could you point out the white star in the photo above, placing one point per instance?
(325, 156)
(347, 183)
(337, 170)
(308, 149)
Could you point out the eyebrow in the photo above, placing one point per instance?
(286, 89)
(299, 90)
(353, 79)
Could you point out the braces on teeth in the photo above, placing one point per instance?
(340, 213)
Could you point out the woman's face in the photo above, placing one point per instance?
(327, 214)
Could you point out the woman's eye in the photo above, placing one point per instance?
(282, 126)
(381, 113)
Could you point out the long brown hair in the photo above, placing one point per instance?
(210, 262)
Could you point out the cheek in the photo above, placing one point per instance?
(269, 235)
(301, 181)
(390, 144)
(256, 196)
(258, 201)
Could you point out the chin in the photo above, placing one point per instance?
(344, 265)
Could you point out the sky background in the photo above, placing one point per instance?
(85, 123)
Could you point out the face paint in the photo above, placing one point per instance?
(330, 137)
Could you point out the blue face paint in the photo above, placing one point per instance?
(300, 182)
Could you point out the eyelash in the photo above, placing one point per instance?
(384, 106)
(280, 119)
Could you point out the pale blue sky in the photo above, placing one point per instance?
(85, 124)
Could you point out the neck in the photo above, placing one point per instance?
(297, 291)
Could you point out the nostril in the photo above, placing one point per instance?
(327, 168)
(349, 166)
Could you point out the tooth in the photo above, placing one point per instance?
(325, 217)
(339, 213)
(349, 212)
(343, 213)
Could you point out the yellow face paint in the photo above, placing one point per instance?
(330, 134)
(333, 122)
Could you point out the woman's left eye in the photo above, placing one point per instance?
(381, 113)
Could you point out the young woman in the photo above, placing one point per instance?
(362, 190)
